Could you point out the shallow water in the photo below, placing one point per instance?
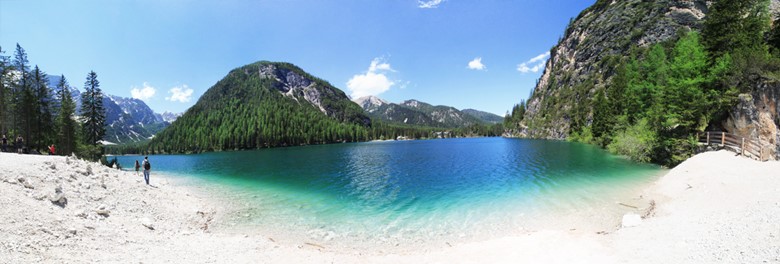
(412, 192)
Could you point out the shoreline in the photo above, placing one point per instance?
(713, 207)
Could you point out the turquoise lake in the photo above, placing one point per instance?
(411, 192)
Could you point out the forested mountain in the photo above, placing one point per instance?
(265, 104)
(413, 112)
(642, 78)
(484, 116)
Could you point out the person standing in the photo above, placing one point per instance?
(5, 143)
(51, 149)
(137, 166)
(147, 168)
(19, 144)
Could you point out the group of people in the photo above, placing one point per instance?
(147, 167)
(19, 145)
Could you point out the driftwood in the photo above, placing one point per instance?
(314, 245)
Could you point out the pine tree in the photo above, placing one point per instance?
(43, 132)
(5, 80)
(736, 25)
(20, 87)
(65, 122)
(92, 111)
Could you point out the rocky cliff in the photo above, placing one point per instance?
(757, 117)
(585, 58)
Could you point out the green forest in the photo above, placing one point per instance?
(660, 97)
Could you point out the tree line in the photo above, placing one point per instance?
(43, 115)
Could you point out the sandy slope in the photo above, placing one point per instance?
(714, 208)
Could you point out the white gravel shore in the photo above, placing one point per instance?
(713, 208)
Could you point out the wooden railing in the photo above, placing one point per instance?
(741, 145)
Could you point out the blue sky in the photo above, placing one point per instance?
(466, 54)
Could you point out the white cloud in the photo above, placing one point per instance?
(378, 64)
(476, 64)
(540, 57)
(181, 94)
(429, 4)
(535, 64)
(373, 82)
(144, 93)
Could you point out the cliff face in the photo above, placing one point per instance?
(757, 117)
(585, 58)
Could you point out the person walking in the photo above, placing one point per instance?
(5, 143)
(137, 166)
(147, 168)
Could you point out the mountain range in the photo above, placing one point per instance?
(414, 112)
(127, 119)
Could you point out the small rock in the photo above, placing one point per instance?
(26, 183)
(631, 220)
(103, 212)
(82, 214)
(72, 231)
(89, 169)
(53, 166)
(58, 197)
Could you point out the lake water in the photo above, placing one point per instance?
(405, 193)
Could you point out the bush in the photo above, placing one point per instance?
(584, 136)
(636, 142)
(89, 152)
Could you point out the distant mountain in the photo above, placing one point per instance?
(168, 116)
(127, 119)
(484, 116)
(447, 116)
(413, 112)
(394, 113)
(265, 104)
(130, 120)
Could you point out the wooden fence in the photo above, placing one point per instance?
(741, 145)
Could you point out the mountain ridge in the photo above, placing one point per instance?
(415, 112)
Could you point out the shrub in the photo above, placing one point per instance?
(636, 142)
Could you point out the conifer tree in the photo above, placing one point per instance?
(42, 123)
(65, 122)
(736, 25)
(5, 80)
(22, 67)
(92, 111)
